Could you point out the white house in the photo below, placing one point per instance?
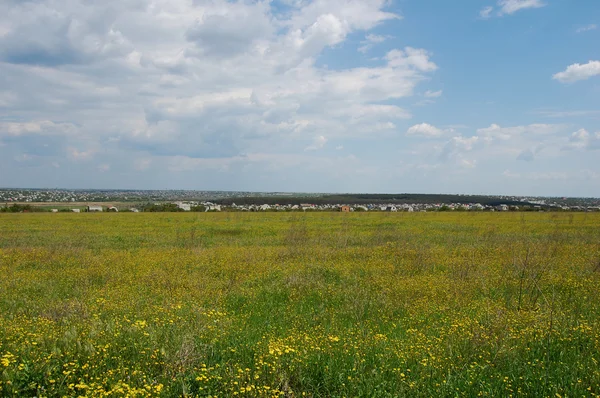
(184, 206)
(94, 208)
(76, 210)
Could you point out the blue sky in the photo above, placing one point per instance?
(481, 97)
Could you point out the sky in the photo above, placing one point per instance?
(381, 96)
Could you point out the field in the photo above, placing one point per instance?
(294, 305)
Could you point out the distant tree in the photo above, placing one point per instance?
(161, 208)
(16, 208)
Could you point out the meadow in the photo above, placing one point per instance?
(300, 304)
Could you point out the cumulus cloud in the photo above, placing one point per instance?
(583, 140)
(523, 143)
(54, 34)
(577, 72)
(196, 79)
(173, 94)
(412, 58)
(457, 148)
(425, 130)
(218, 32)
(540, 143)
(529, 154)
(495, 143)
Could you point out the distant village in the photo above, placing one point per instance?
(192, 206)
(55, 200)
(94, 195)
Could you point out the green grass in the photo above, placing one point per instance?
(294, 304)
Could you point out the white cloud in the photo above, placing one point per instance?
(235, 87)
(371, 38)
(495, 131)
(530, 154)
(486, 12)
(318, 143)
(470, 164)
(43, 127)
(578, 72)
(464, 143)
(587, 28)
(368, 114)
(508, 7)
(426, 130)
(357, 14)
(415, 58)
(370, 41)
(424, 102)
(522, 143)
(512, 6)
(433, 94)
(77, 155)
(217, 33)
(579, 139)
(196, 78)
(268, 164)
(456, 150)
(583, 140)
